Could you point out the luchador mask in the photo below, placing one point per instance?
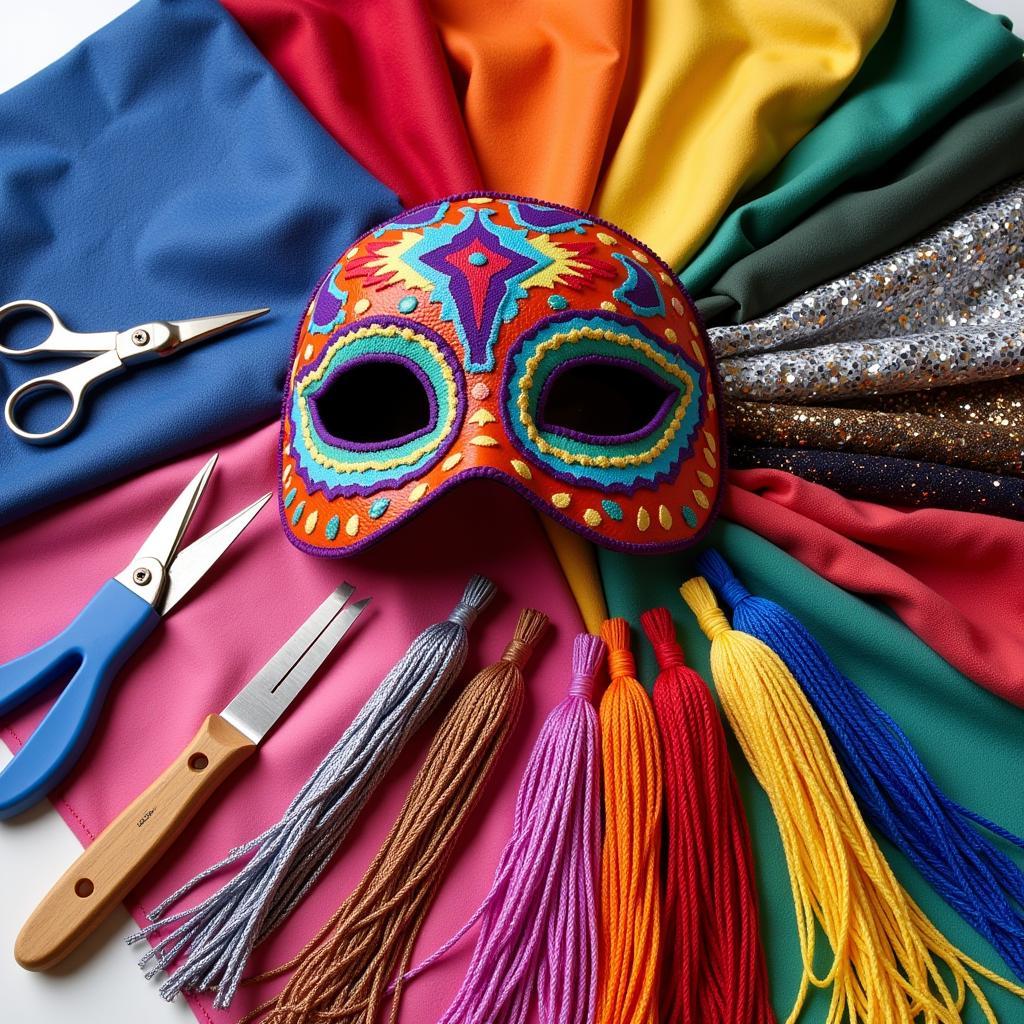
(490, 336)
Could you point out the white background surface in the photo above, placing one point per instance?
(100, 983)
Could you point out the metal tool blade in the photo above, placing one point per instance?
(268, 694)
(191, 564)
(162, 543)
(190, 332)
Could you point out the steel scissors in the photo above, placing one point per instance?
(124, 611)
(106, 352)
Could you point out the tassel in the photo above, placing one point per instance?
(538, 924)
(714, 967)
(893, 786)
(887, 955)
(343, 972)
(285, 861)
(630, 911)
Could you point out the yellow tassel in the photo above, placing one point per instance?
(887, 954)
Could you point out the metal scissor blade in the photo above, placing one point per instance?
(162, 543)
(189, 332)
(268, 694)
(191, 564)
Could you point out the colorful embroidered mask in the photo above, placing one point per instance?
(489, 336)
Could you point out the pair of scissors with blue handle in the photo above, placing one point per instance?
(125, 610)
(106, 353)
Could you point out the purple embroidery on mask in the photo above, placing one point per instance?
(418, 217)
(477, 297)
(328, 308)
(639, 291)
(549, 219)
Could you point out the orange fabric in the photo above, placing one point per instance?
(538, 81)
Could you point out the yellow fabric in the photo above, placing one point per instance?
(715, 93)
(578, 559)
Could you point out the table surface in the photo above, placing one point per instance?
(99, 983)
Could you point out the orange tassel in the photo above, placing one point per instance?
(630, 926)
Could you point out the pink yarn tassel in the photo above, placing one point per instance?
(538, 924)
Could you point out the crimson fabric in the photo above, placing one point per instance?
(950, 576)
(373, 74)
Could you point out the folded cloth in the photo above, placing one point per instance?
(374, 75)
(969, 739)
(948, 308)
(900, 482)
(973, 148)
(948, 575)
(933, 55)
(231, 624)
(538, 82)
(977, 426)
(715, 95)
(161, 169)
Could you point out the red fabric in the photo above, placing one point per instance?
(392, 107)
(952, 577)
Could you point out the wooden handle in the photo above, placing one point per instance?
(129, 846)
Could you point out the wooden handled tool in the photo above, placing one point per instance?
(129, 846)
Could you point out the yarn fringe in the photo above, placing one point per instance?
(216, 937)
(713, 960)
(343, 972)
(888, 958)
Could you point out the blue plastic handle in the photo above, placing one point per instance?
(100, 639)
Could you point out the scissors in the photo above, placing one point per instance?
(124, 611)
(106, 352)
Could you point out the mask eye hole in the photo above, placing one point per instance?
(375, 402)
(602, 400)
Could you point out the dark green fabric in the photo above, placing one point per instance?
(932, 56)
(972, 741)
(977, 146)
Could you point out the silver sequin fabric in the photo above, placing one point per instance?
(947, 309)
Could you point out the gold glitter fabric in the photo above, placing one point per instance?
(977, 426)
(947, 309)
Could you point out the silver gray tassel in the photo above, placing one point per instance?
(218, 935)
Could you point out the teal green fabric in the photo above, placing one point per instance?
(932, 56)
(973, 148)
(972, 741)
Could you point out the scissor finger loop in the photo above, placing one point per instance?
(61, 340)
(73, 382)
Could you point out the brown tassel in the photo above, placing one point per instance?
(343, 973)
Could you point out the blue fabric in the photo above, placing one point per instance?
(163, 170)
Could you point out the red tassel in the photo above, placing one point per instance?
(714, 970)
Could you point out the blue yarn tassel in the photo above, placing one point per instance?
(894, 788)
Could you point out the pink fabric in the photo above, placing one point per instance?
(224, 631)
(952, 577)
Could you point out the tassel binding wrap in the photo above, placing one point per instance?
(889, 961)
(538, 923)
(630, 906)
(713, 961)
(343, 972)
(217, 936)
(897, 793)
